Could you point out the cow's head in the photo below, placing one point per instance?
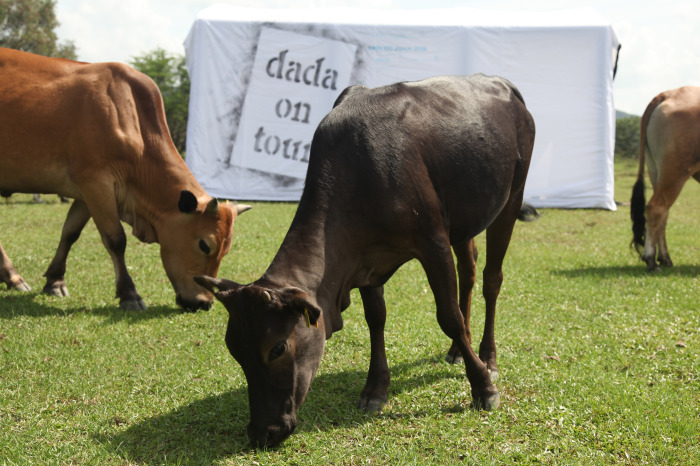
(193, 240)
(276, 334)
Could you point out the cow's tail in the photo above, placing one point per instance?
(638, 201)
(637, 207)
(528, 213)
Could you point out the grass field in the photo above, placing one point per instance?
(599, 360)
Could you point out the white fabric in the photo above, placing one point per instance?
(263, 79)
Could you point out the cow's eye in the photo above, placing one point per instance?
(278, 350)
(204, 247)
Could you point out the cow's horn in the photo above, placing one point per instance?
(210, 283)
(266, 296)
(212, 207)
(240, 208)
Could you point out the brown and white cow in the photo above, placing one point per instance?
(97, 133)
(410, 170)
(670, 144)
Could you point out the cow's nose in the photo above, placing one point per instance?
(269, 436)
(192, 305)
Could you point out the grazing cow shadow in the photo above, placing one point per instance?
(25, 304)
(213, 428)
(203, 431)
(640, 270)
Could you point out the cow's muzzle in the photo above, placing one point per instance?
(270, 436)
(193, 305)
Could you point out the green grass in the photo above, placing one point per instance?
(599, 359)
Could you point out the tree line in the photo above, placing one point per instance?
(30, 25)
(627, 137)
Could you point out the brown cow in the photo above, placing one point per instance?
(398, 172)
(670, 143)
(97, 133)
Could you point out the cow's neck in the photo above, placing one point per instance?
(301, 260)
(313, 259)
(157, 182)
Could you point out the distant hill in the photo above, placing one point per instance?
(620, 114)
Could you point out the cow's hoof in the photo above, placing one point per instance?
(132, 305)
(57, 288)
(374, 405)
(652, 266)
(494, 374)
(489, 403)
(19, 285)
(454, 358)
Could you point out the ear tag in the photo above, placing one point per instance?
(308, 320)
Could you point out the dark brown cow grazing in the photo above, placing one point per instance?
(97, 133)
(396, 173)
(670, 143)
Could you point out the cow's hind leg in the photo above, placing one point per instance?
(665, 194)
(436, 258)
(375, 394)
(76, 219)
(466, 254)
(498, 236)
(9, 275)
(663, 257)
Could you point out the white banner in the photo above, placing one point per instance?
(294, 82)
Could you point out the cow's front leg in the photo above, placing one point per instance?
(375, 394)
(437, 261)
(76, 219)
(129, 299)
(9, 275)
(107, 221)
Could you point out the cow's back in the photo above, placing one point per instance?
(672, 127)
(411, 151)
(62, 120)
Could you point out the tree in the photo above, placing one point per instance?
(170, 74)
(627, 137)
(29, 25)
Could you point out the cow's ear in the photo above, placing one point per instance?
(301, 302)
(187, 202)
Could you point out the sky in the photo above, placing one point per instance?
(660, 40)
